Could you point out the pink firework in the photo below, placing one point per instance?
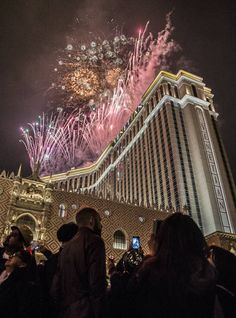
(107, 121)
(147, 58)
(75, 144)
(50, 142)
(150, 55)
(64, 140)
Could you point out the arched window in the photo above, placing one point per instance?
(119, 240)
(62, 210)
(26, 220)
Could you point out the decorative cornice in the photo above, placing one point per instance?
(181, 75)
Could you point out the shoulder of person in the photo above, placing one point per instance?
(96, 242)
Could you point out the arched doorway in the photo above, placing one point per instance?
(28, 220)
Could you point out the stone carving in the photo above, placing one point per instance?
(48, 196)
(32, 198)
(16, 189)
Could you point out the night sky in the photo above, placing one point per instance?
(32, 32)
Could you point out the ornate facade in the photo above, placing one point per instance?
(27, 202)
(44, 210)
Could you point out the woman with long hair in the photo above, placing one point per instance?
(178, 281)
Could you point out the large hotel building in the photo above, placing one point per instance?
(168, 157)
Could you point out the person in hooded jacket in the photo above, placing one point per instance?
(64, 234)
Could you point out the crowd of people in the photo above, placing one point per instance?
(180, 277)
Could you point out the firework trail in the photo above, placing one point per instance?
(75, 145)
(102, 83)
(51, 141)
(40, 140)
(149, 56)
(107, 121)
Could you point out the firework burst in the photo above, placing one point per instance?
(86, 72)
(102, 83)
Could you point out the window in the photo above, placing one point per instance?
(194, 90)
(62, 210)
(86, 181)
(161, 91)
(119, 240)
(176, 91)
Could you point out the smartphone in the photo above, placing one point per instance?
(136, 242)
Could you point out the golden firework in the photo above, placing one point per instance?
(112, 76)
(83, 82)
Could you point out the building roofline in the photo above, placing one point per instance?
(172, 76)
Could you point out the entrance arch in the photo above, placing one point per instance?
(28, 220)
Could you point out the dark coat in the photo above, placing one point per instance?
(79, 285)
(18, 295)
(45, 274)
(50, 267)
